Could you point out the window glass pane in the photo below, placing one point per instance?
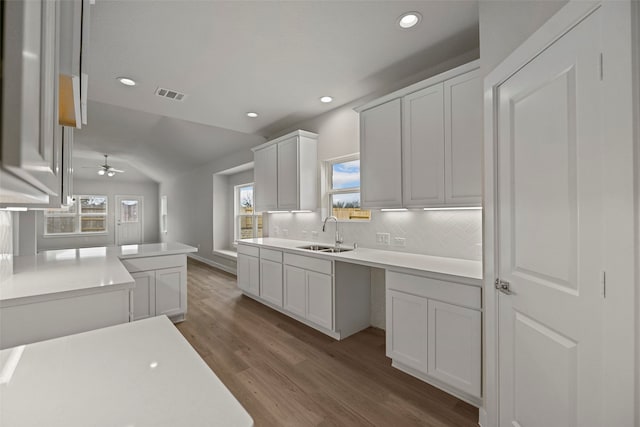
(246, 226)
(61, 224)
(93, 204)
(93, 224)
(345, 175)
(245, 199)
(128, 211)
(347, 206)
(259, 219)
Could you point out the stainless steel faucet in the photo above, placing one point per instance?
(338, 237)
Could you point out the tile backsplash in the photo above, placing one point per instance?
(6, 245)
(446, 233)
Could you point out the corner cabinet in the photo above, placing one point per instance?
(285, 173)
(427, 139)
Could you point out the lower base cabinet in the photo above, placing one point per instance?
(249, 269)
(319, 299)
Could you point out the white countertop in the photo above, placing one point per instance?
(135, 374)
(462, 268)
(77, 271)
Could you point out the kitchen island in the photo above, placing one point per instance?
(61, 292)
(138, 374)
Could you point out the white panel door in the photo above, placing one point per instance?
(407, 320)
(129, 220)
(144, 295)
(455, 346)
(423, 147)
(170, 293)
(550, 230)
(288, 174)
(320, 299)
(463, 139)
(380, 156)
(249, 274)
(265, 175)
(295, 290)
(271, 281)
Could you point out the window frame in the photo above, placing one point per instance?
(236, 215)
(329, 191)
(78, 215)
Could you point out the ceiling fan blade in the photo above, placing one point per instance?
(116, 170)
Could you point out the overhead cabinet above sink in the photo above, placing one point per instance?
(285, 173)
(422, 146)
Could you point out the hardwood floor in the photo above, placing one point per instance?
(287, 374)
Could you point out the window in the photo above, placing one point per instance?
(248, 223)
(343, 189)
(87, 215)
(163, 214)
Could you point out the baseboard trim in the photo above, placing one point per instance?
(213, 264)
(482, 417)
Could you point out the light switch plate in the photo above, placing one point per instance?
(399, 241)
(383, 238)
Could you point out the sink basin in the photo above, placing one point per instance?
(324, 248)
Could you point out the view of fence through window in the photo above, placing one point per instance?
(88, 214)
(344, 193)
(249, 224)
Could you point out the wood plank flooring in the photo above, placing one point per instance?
(287, 374)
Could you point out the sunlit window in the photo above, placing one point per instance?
(248, 223)
(343, 189)
(87, 215)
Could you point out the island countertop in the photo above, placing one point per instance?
(142, 373)
(66, 272)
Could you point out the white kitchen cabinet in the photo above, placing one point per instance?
(407, 319)
(249, 269)
(380, 156)
(271, 276)
(320, 299)
(421, 146)
(285, 173)
(295, 288)
(161, 286)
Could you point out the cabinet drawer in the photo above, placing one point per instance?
(271, 255)
(309, 263)
(248, 250)
(154, 263)
(454, 293)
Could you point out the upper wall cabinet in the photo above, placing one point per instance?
(422, 146)
(285, 173)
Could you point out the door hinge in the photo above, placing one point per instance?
(601, 66)
(503, 286)
(603, 280)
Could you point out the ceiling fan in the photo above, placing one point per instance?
(106, 169)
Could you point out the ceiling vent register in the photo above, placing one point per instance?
(170, 94)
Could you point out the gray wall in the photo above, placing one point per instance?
(111, 188)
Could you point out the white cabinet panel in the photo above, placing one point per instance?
(455, 346)
(295, 288)
(271, 281)
(423, 147)
(249, 274)
(170, 294)
(380, 156)
(288, 174)
(463, 139)
(407, 329)
(266, 178)
(144, 299)
(320, 299)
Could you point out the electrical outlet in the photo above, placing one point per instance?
(314, 236)
(399, 241)
(276, 231)
(285, 232)
(304, 234)
(383, 238)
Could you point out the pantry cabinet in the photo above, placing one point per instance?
(421, 146)
(285, 173)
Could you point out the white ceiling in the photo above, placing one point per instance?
(231, 57)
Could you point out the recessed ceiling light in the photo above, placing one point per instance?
(252, 115)
(126, 81)
(409, 19)
(326, 99)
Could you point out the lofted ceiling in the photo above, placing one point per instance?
(231, 57)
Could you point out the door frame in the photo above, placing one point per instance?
(621, 345)
(116, 211)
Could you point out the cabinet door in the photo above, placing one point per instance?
(320, 299)
(249, 274)
(288, 174)
(271, 281)
(380, 156)
(171, 291)
(455, 346)
(423, 147)
(463, 139)
(407, 329)
(144, 299)
(295, 290)
(265, 174)
(29, 94)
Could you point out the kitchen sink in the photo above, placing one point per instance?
(324, 248)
